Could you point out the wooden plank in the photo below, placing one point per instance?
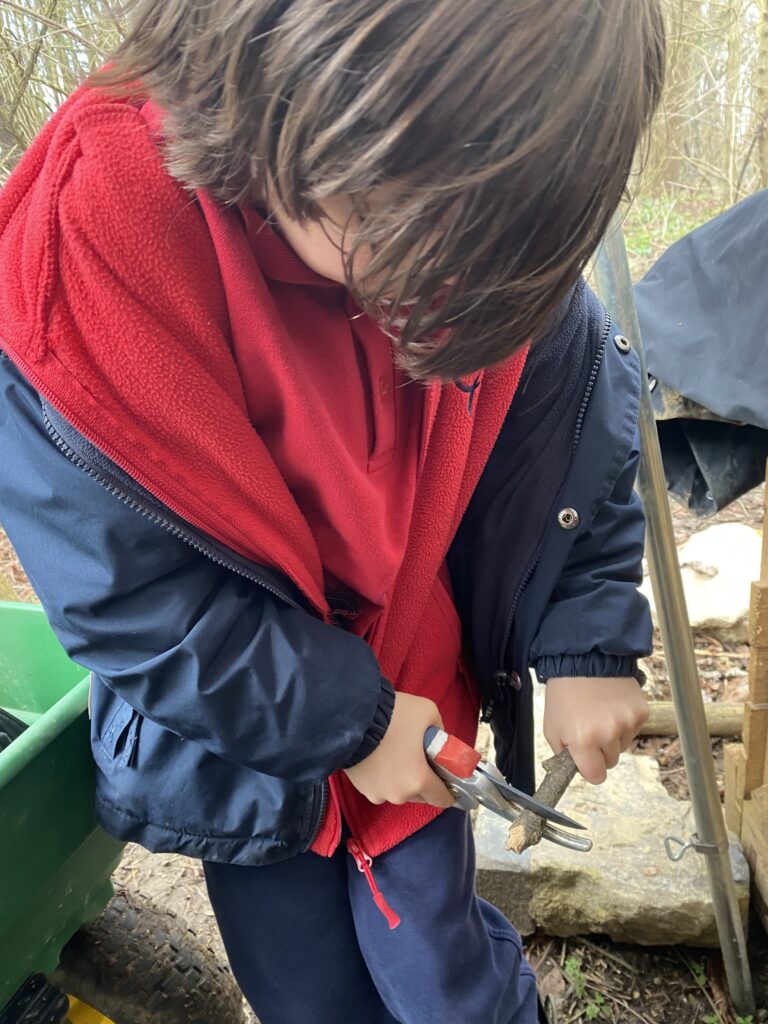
(753, 783)
(755, 744)
(756, 710)
(760, 907)
(758, 616)
(735, 758)
(758, 681)
(757, 674)
(754, 838)
(755, 835)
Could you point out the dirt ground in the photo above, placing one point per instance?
(591, 978)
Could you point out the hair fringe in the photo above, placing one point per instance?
(484, 144)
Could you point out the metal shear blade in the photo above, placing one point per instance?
(474, 781)
(515, 796)
(492, 795)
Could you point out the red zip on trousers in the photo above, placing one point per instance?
(364, 862)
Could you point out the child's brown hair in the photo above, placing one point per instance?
(484, 143)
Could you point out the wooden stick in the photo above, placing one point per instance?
(528, 828)
(701, 652)
(722, 719)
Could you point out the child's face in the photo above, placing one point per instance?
(320, 244)
(323, 244)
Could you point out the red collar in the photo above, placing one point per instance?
(276, 259)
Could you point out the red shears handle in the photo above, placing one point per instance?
(451, 754)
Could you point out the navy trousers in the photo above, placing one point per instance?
(308, 945)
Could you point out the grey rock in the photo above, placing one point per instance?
(718, 566)
(626, 887)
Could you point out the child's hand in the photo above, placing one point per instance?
(595, 718)
(398, 771)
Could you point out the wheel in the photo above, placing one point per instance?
(138, 964)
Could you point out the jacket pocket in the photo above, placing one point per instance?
(121, 735)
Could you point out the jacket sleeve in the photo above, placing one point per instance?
(597, 622)
(210, 655)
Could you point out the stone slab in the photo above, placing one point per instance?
(718, 566)
(626, 888)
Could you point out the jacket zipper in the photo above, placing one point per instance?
(319, 808)
(501, 678)
(188, 536)
(199, 545)
(592, 377)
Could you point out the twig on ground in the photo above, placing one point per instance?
(609, 955)
(640, 1017)
(703, 987)
(542, 959)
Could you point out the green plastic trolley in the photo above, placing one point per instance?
(71, 950)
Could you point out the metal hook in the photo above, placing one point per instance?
(694, 843)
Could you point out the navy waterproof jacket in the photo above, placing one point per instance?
(176, 629)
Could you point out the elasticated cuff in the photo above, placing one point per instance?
(375, 732)
(593, 664)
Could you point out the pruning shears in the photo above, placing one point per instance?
(474, 781)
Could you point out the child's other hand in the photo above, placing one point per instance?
(398, 771)
(595, 718)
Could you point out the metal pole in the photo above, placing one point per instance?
(615, 286)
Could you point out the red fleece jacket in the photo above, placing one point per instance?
(113, 307)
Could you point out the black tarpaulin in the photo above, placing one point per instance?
(703, 310)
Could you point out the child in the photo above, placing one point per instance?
(290, 480)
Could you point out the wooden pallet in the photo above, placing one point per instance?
(746, 763)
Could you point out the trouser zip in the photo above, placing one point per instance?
(364, 862)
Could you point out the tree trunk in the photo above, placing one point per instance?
(734, 17)
(761, 100)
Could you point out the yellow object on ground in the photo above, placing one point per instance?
(81, 1013)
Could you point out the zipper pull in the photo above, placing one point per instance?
(364, 862)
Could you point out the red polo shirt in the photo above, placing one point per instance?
(344, 428)
(341, 422)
